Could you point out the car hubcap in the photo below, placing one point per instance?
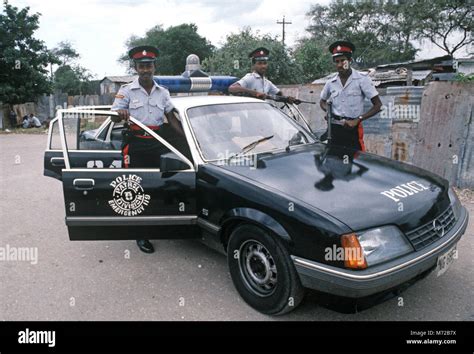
(258, 268)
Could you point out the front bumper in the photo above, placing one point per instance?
(356, 284)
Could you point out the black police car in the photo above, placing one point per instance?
(290, 212)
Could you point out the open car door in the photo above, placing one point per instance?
(105, 201)
(100, 142)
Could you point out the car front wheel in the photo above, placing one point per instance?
(262, 271)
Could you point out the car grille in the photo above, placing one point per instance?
(426, 234)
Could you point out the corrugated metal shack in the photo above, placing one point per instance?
(430, 126)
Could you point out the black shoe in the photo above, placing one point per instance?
(145, 246)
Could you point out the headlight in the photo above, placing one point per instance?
(383, 244)
(455, 203)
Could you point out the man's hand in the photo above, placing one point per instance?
(122, 114)
(351, 123)
(292, 100)
(260, 95)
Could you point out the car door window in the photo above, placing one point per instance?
(54, 138)
(92, 140)
(85, 140)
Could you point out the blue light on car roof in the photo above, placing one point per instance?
(179, 84)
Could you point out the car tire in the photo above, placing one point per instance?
(262, 271)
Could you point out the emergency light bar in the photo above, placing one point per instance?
(178, 84)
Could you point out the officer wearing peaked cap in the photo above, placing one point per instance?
(149, 103)
(347, 91)
(256, 83)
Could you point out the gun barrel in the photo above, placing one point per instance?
(329, 115)
(301, 101)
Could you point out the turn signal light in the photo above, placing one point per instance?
(353, 252)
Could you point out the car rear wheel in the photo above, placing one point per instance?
(262, 271)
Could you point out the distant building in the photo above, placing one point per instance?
(111, 84)
(464, 65)
(415, 72)
(409, 73)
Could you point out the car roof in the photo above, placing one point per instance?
(182, 103)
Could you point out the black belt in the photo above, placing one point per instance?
(142, 132)
(336, 117)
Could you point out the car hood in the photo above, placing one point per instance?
(360, 189)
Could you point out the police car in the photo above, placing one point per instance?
(289, 211)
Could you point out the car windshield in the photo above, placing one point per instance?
(224, 130)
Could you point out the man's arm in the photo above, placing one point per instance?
(120, 106)
(237, 88)
(174, 122)
(276, 91)
(376, 108)
(369, 91)
(325, 95)
(323, 104)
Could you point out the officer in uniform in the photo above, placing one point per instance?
(347, 91)
(149, 103)
(255, 83)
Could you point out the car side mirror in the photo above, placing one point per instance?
(171, 162)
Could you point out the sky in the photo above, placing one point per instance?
(98, 29)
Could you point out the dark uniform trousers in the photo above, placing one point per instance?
(348, 137)
(141, 150)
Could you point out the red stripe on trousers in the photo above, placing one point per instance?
(125, 155)
(360, 131)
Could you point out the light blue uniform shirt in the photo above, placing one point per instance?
(148, 109)
(348, 101)
(254, 81)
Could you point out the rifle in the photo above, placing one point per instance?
(329, 114)
(286, 99)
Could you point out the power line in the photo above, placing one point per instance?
(283, 23)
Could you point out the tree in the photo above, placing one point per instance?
(441, 20)
(380, 30)
(384, 31)
(313, 59)
(24, 60)
(232, 58)
(70, 77)
(73, 80)
(66, 52)
(175, 44)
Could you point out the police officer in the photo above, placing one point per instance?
(149, 103)
(255, 83)
(347, 90)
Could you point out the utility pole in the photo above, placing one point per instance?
(283, 23)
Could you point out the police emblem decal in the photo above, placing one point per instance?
(129, 198)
